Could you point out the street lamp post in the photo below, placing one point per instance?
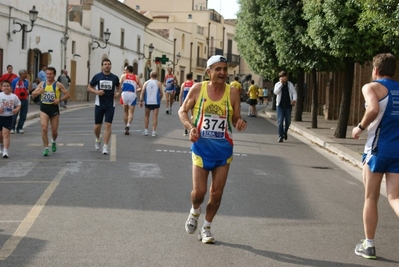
(150, 50)
(107, 34)
(32, 17)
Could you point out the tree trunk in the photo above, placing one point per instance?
(301, 97)
(315, 99)
(344, 108)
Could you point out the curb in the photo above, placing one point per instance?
(326, 143)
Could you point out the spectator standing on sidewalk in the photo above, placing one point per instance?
(381, 156)
(50, 92)
(65, 80)
(103, 85)
(42, 73)
(8, 76)
(21, 87)
(286, 99)
(216, 110)
(9, 105)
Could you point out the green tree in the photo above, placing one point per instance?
(332, 27)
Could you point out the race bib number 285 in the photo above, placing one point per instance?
(213, 126)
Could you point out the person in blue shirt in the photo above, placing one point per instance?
(381, 157)
(103, 85)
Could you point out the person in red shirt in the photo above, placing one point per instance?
(8, 76)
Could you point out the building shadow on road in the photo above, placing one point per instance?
(287, 258)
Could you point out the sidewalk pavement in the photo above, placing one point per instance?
(347, 149)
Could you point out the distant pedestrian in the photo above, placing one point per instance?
(151, 95)
(9, 105)
(170, 90)
(286, 99)
(21, 87)
(260, 96)
(65, 80)
(381, 157)
(130, 86)
(42, 73)
(9, 75)
(186, 86)
(35, 83)
(104, 85)
(50, 93)
(266, 95)
(252, 100)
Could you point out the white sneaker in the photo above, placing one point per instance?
(12, 131)
(192, 223)
(5, 154)
(20, 131)
(205, 235)
(98, 143)
(145, 133)
(105, 150)
(153, 134)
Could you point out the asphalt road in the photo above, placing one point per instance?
(289, 204)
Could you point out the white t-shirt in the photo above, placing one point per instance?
(8, 103)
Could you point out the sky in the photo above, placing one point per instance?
(227, 8)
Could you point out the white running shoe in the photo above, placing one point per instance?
(205, 235)
(5, 153)
(192, 223)
(154, 134)
(145, 133)
(97, 145)
(12, 131)
(105, 150)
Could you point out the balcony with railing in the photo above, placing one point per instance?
(233, 60)
(201, 62)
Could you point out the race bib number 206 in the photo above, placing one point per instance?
(213, 126)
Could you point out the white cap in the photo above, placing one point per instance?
(215, 59)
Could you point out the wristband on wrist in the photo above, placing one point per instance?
(360, 127)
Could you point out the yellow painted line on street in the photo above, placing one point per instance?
(112, 156)
(11, 244)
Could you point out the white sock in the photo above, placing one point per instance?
(128, 125)
(195, 211)
(206, 224)
(369, 243)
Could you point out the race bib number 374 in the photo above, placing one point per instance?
(213, 126)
